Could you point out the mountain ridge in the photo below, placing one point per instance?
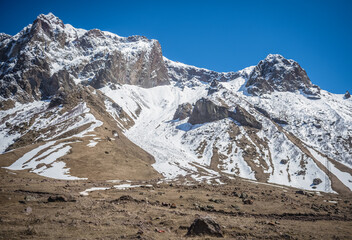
(101, 91)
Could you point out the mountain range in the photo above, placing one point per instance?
(89, 104)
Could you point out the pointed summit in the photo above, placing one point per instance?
(276, 73)
(48, 24)
(50, 19)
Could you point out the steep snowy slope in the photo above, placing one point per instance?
(97, 105)
(224, 145)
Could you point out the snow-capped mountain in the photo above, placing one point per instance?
(91, 104)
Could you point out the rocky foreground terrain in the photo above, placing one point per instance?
(103, 137)
(35, 207)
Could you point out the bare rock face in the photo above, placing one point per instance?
(183, 73)
(347, 95)
(206, 111)
(183, 111)
(48, 55)
(205, 226)
(276, 73)
(244, 118)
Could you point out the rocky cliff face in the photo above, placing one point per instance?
(276, 73)
(184, 73)
(206, 111)
(48, 55)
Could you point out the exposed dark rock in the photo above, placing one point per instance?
(280, 121)
(125, 198)
(183, 111)
(317, 181)
(301, 172)
(301, 192)
(276, 73)
(58, 198)
(244, 195)
(205, 226)
(347, 95)
(262, 111)
(235, 194)
(180, 73)
(206, 111)
(284, 161)
(214, 87)
(247, 201)
(244, 118)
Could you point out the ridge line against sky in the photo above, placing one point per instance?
(219, 35)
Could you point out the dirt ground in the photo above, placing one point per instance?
(166, 210)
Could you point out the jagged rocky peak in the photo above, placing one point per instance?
(48, 55)
(276, 73)
(48, 21)
(4, 36)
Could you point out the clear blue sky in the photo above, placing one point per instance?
(218, 35)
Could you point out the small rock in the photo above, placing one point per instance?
(243, 195)
(58, 198)
(29, 198)
(284, 161)
(317, 181)
(248, 201)
(301, 192)
(204, 226)
(236, 207)
(28, 210)
(173, 205)
(235, 194)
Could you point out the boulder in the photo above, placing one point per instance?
(284, 161)
(317, 181)
(205, 226)
(347, 95)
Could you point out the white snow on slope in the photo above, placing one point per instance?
(173, 143)
(43, 159)
(87, 191)
(151, 131)
(50, 167)
(344, 177)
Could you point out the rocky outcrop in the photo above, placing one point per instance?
(183, 111)
(276, 73)
(347, 95)
(244, 118)
(206, 111)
